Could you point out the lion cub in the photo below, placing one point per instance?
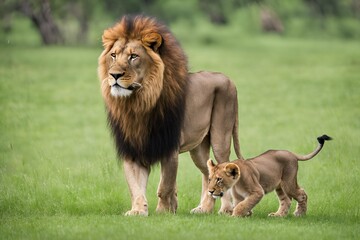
(251, 179)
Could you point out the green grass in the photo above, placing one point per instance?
(59, 178)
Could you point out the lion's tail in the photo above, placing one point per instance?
(236, 136)
(309, 156)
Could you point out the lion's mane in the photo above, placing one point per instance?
(147, 125)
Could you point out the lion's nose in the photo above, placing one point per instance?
(211, 192)
(117, 75)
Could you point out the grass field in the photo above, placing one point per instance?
(59, 177)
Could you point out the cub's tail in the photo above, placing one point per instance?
(309, 156)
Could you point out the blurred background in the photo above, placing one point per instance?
(81, 22)
(296, 65)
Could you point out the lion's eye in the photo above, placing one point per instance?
(113, 55)
(133, 56)
(219, 181)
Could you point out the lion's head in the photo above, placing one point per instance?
(143, 75)
(222, 177)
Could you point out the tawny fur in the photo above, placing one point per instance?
(251, 179)
(172, 111)
(163, 89)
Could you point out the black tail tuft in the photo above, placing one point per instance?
(323, 138)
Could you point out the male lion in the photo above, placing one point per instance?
(251, 179)
(156, 110)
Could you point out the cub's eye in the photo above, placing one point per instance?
(113, 55)
(133, 56)
(219, 181)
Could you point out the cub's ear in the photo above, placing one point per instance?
(152, 40)
(210, 164)
(232, 170)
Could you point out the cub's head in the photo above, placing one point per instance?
(221, 177)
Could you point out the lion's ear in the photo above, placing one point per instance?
(232, 170)
(107, 39)
(210, 164)
(152, 40)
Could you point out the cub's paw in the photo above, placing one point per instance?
(248, 214)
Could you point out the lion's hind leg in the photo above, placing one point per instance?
(284, 204)
(223, 121)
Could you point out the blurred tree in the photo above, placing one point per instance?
(215, 10)
(78, 14)
(118, 8)
(39, 12)
(166, 10)
(46, 16)
(355, 8)
(323, 8)
(270, 21)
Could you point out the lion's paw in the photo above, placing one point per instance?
(274, 214)
(199, 210)
(165, 210)
(277, 214)
(137, 213)
(299, 214)
(225, 211)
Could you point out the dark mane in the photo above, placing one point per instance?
(163, 140)
(160, 128)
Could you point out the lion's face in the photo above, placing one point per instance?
(127, 65)
(143, 76)
(221, 177)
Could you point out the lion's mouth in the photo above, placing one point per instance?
(119, 91)
(131, 87)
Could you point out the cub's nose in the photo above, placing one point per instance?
(211, 192)
(117, 75)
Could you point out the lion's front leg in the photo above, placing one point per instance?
(137, 178)
(167, 192)
(207, 202)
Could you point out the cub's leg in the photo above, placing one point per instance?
(237, 198)
(137, 178)
(284, 204)
(200, 155)
(167, 186)
(244, 208)
(293, 190)
(301, 198)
